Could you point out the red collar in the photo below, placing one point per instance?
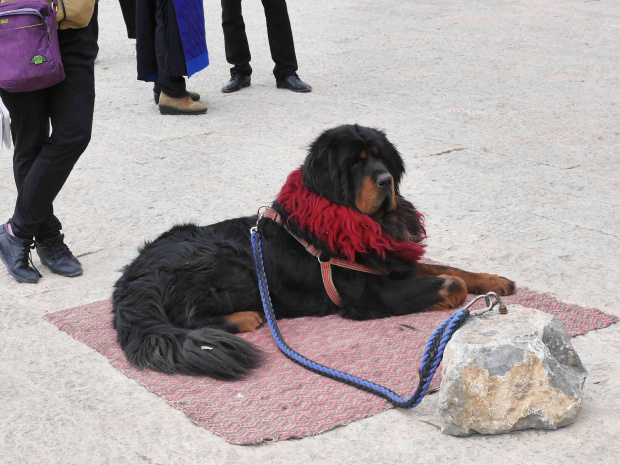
(345, 232)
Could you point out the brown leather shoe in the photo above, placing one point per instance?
(180, 106)
(195, 96)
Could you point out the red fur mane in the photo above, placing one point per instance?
(343, 230)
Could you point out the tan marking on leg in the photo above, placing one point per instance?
(246, 322)
(452, 293)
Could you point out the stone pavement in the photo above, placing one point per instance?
(507, 114)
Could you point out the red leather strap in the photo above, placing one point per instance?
(328, 282)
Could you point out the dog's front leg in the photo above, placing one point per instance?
(384, 296)
(477, 283)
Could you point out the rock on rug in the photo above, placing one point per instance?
(281, 400)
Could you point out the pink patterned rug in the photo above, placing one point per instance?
(282, 400)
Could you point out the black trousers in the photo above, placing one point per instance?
(278, 31)
(128, 8)
(167, 42)
(42, 162)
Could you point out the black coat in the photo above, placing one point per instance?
(174, 63)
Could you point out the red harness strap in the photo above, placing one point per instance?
(326, 266)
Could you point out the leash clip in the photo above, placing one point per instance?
(260, 213)
(490, 304)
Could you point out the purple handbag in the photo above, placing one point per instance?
(29, 52)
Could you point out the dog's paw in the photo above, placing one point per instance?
(452, 293)
(481, 283)
(246, 322)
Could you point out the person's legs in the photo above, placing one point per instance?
(128, 8)
(172, 86)
(169, 90)
(71, 106)
(235, 39)
(30, 127)
(280, 37)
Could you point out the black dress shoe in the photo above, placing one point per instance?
(55, 254)
(237, 82)
(15, 253)
(293, 83)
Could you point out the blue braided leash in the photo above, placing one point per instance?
(433, 353)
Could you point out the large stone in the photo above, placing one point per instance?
(510, 372)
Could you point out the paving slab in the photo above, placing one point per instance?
(506, 114)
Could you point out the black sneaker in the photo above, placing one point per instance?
(237, 82)
(55, 254)
(15, 254)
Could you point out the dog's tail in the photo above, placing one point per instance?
(150, 340)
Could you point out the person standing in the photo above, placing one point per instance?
(42, 161)
(281, 45)
(170, 44)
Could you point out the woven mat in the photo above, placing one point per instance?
(282, 400)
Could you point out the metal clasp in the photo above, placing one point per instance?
(260, 213)
(490, 304)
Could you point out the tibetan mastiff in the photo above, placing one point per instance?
(178, 305)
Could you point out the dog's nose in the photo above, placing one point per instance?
(384, 181)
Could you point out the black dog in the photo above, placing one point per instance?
(178, 303)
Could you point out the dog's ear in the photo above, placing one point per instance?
(320, 170)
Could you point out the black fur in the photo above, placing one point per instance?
(171, 301)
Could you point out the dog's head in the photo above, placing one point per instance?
(357, 167)
(345, 200)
